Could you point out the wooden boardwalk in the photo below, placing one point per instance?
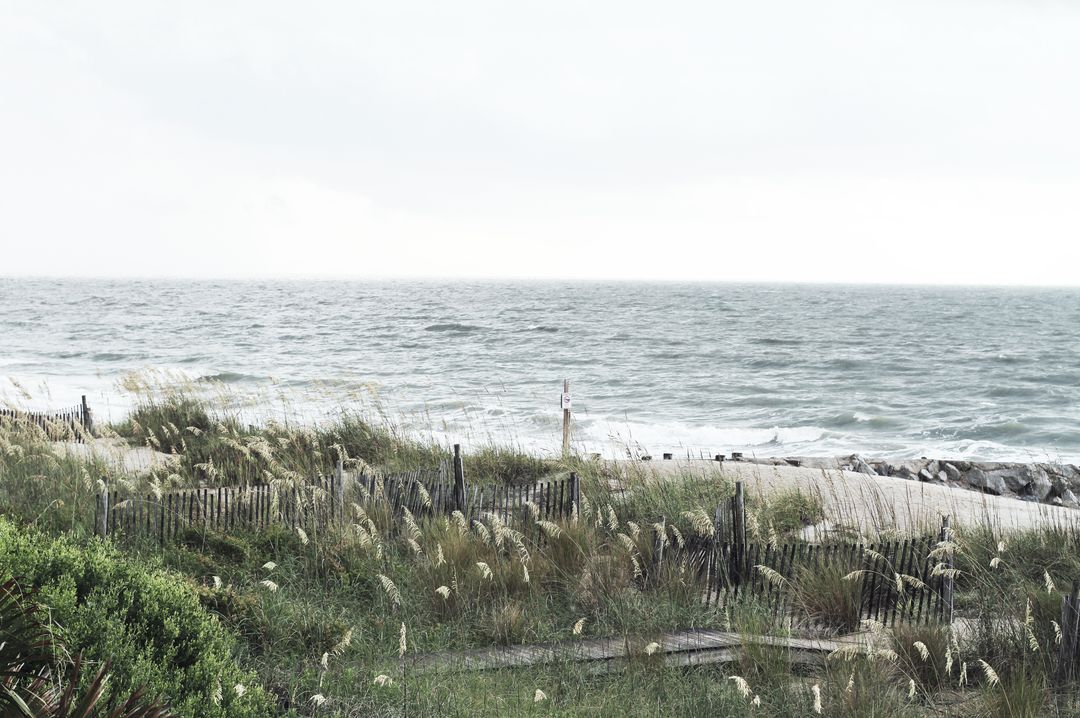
(681, 648)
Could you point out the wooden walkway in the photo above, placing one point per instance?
(681, 648)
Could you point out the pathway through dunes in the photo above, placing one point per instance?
(871, 503)
(684, 648)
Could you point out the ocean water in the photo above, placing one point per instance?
(769, 370)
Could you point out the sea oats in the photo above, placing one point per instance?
(318, 699)
(443, 591)
(816, 690)
(303, 535)
(382, 680)
(579, 626)
(924, 652)
(390, 589)
(991, 675)
(269, 565)
(539, 696)
(403, 644)
(652, 648)
(485, 570)
(239, 689)
(742, 685)
(270, 585)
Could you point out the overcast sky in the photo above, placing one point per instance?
(769, 140)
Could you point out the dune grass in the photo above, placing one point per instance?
(316, 620)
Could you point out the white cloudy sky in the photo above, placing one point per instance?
(908, 141)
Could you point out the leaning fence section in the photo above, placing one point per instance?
(70, 424)
(322, 502)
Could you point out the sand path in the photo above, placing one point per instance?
(870, 502)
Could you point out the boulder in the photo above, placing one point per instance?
(925, 475)
(942, 477)
(858, 464)
(952, 472)
(1068, 499)
(1040, 486)
(991, 483)
(1017, 478)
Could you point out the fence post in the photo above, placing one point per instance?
(575, 494)
(659, 540)
(738, 511)
(87, 423)
(339, 489)
(565, 404)
(1069, 653)
(104, 505)
(948, 583)
(459, 479)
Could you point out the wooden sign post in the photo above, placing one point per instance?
(564, 402)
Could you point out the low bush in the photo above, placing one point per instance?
(146, 623)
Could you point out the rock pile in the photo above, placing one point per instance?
(1051, 483)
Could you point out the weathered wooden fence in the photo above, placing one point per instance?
(325, 501)
(71, 424)
(906, 580)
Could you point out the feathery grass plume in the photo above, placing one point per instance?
(963, 674)
(635, 529)
(911, 688)
(627, 542)
(533, 509)
(443, 591)
(1057, 631)
(551, 529)
(525, 573)
(772, 576)
(318, 699)
(403, 644)
(636, 566)
(217, 581)
(816, 690)
(483, 533)
(410, 523)
(383, 681)
(239, 689)
(991, 675)
(579, 626)
(678, 536)
(701, 522)
(390, 589)
(269, 565)
(460, 522)
(586, 508)
(270, 585)
(325, 660)
(742, 685)
(995, 562)
(612, 519)
(485, 570)
(924, 652)
(539, 696)
(303, 535)
(217, 695)
(345, 642)
(652, 648)
(1049, 582)
(425, 497)
(756, 702)
(439, 558)
(850, 687)
(414, 546)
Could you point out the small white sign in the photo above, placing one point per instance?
(564, 403)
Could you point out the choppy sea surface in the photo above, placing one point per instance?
(770, 370)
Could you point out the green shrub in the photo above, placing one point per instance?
(148, 624)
